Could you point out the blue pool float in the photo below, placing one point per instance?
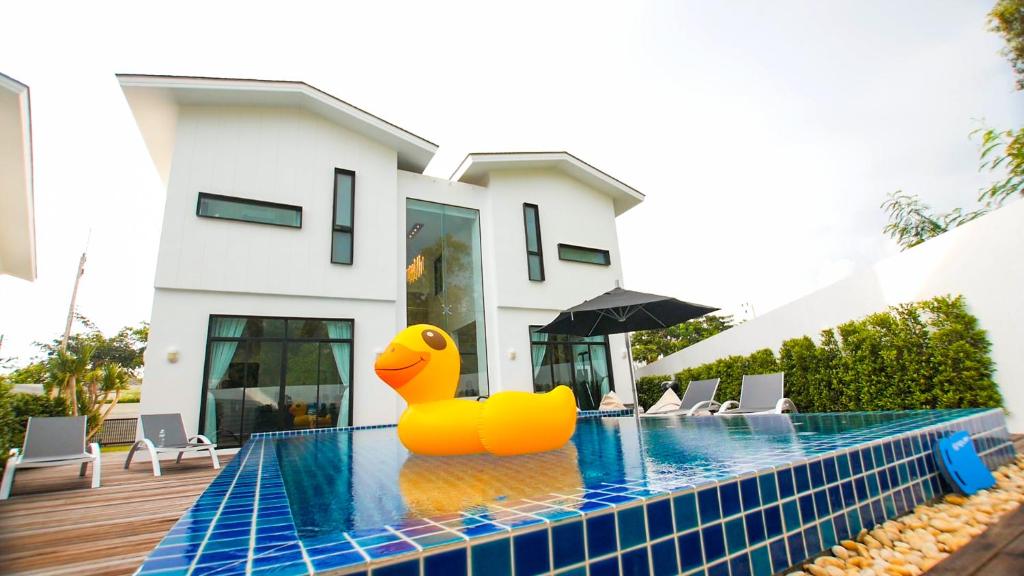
(960, 464)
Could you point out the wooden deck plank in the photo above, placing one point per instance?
(105, 531)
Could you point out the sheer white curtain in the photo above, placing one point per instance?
(221, 354)
(338, 330)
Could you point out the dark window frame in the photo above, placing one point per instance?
(284, 359)
(607, 255)
(249, 201)
(539, 253)
(335, 227)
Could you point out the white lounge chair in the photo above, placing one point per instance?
(165, 433)
(699, 397)
(57, 441)
(760, 394)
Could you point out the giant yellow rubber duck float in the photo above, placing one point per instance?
(422, 365)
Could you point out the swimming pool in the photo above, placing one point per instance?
(702, 495)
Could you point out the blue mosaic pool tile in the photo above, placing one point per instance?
(451, 563)
(713, 539)
(530, 553)
(606, 567)
(663, 558)
(631, 524)
(410, 568)
(785, 481)
(601, 538)
(635, 563)
(735, 535)
(740, 565)
(684, 509)
(567, 544)
(779, 555)
(707, 503)
(691, 551)
(659, 518)
(769, 491)
(493, 557)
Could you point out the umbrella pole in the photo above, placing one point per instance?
(632, 379)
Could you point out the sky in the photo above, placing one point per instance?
(764, 135)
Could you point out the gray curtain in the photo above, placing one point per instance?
(221, 354)
(342, 351)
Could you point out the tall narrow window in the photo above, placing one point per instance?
(344, 207)
(534, 252)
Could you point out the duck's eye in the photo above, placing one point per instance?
(434, 340)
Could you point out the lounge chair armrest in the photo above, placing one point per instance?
(13, 452)
(785, 405)
(94, 449)
(202, 439)
(709, 405)
(728, 405)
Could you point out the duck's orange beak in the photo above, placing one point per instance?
(398, 365)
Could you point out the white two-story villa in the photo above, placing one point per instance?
(299, 235)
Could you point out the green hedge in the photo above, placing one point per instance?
(15, 410)
(929, 354)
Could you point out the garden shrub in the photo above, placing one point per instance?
(15, 409)
(930, 354)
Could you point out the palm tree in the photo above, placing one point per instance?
(67, 369)
(110, 378)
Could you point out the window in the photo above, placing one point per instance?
(584, 255)
(246, 210)
(444, 282)
(344, 206)
(534, 251)
(581, 363)
(265, 374)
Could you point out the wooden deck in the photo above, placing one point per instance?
(55, 524)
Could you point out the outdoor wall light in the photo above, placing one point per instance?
(172, 355)
(511, 353)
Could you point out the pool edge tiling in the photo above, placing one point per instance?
(756, 522)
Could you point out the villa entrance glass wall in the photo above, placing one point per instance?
(444, 282)
(268, 374)
(581, 363)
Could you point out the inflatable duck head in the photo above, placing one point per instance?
(421, 364)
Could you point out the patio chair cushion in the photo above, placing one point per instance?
(54, 438)
(761, 392)
(171, 424)
(698, 391)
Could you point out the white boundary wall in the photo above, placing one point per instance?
(982, 260)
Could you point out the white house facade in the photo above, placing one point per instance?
(17, 218)
(300, 235)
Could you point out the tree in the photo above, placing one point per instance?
(911, 221)
(651, 345)
(126, 348)
(1001, 152)
(1007, 19)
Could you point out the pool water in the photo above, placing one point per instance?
(666, 495)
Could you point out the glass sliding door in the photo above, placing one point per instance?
(269, 374)
(581, 363)
(444, 282)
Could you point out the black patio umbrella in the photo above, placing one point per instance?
(620, 310)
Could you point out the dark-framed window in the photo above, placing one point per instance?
(248, 210)
(585, 255)
(343, 216)
(269, 373)
(534, 250)
(583, 363)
